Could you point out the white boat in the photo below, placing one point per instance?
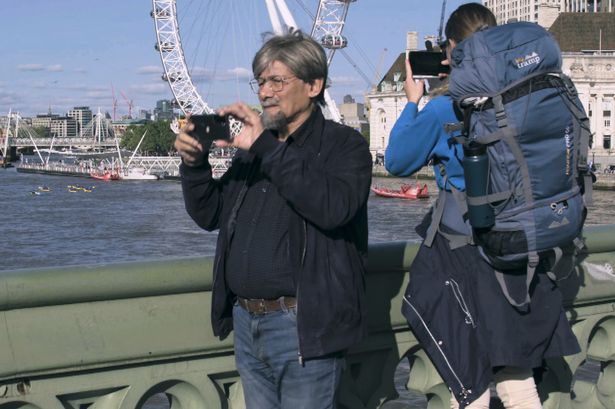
(128, 172)
(135, 173)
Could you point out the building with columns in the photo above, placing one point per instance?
(588, 6)
(544, 12)
(587, 41)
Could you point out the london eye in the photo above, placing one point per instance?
(195, 38)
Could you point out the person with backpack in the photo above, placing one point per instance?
(454, 304)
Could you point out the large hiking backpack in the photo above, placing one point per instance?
(515, 101)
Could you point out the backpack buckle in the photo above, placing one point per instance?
(453, 127)
(570, 88)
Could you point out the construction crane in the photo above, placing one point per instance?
(129, 103)
(377, 74)
(114, 101)
(441, 28)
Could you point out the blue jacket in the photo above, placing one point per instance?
(419, 137)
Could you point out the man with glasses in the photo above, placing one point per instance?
(292, 218)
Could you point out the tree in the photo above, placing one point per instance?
(159, 139)
(41, 132)
(366, 134)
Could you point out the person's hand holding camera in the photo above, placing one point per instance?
(414, 88)
(251, 120)
(188, 147)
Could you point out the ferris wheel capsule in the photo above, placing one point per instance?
(165, 47)
(160, 13)
(333, 41)
(172, 77)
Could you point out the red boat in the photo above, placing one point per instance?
(104, 175)
(404, 192)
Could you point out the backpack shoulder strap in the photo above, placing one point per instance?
(455, 240)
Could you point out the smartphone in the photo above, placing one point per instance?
(427, 63)
(211, 127)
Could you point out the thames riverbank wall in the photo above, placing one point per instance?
(604, 181)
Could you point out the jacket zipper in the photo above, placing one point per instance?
(461, 301)
(299, 353)
(465, 392)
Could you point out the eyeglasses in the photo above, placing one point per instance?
(276, 83)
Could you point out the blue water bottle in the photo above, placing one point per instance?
(476, 174)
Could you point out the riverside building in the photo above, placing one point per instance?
(544, 12)
(83, 117)
(353, 114)
(587, 41)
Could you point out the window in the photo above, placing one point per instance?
(607, 107)
(606, 141)
(382, 116)
(607, 123)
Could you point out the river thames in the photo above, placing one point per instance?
(138, 220)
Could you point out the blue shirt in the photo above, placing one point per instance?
(418, 137)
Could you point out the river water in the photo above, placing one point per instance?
(138, 220)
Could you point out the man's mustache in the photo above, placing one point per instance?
(269, 102)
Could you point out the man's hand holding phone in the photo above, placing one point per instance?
(197, 135)
(252, 126)
(188, 147)
(210, 127)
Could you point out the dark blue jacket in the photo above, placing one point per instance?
(324, 172)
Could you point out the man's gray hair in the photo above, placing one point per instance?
(300, 53)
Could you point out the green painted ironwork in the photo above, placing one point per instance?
(113, 336)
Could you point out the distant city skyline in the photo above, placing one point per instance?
(67, 53)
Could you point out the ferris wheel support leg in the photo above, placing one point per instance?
(332, 108)
(287, 16)
(273, 16)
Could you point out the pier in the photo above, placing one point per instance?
(165, 166)
(119, 335)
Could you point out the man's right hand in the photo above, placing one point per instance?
(189, 148)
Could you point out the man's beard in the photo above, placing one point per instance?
(276, 122)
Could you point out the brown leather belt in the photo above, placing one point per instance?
(263, 306)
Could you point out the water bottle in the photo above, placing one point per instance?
(476, 174)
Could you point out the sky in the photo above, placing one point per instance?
(58, 54)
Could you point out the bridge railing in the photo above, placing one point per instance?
(57, 142)
(114, 336)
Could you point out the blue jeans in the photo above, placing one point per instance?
(267, 358)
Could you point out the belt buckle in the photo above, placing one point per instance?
(262, 307)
